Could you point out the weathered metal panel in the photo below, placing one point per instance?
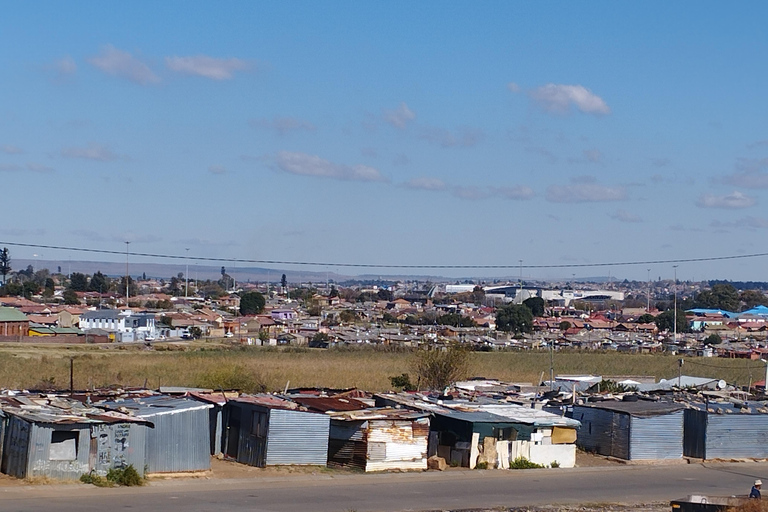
(737, 436)
(180, 441)
(656, 437)
(694, 433)
(602, 431)
(117, 446)
(16, 448)
(347, 444)
(397, 444)
(252, 433)
(58, 451)
(297, 437)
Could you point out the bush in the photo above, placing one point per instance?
(523, 463)
(127, 477)
(402, 382)
(481, 465)
(554, 464)
(439, 368)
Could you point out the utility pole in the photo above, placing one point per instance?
(127, 276)
(674, 290)
(186, 277)
(648, 295)
(521, 281)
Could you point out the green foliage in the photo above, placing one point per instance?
(564, 325)
(514, 318)
(713, 339)
(231, 377)
(437, 368)
(196, 332)
(30, 288)
(666, 321)
(5, 263)
(347, 316)
(252, 303)
(78, 282)
(720, 296)
(523, 463)
(389, 318)
(402, 382)
(611, 386)
(481, 465)
(646, 319)
(70, 297)
(127, 477)
(383, 294)
(12, 289)
(455, 320)
(752, 298)
(99, 283)
(537, 305)
(554, 464)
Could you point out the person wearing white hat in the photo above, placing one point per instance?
(755, 492)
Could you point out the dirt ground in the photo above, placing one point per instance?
(597, 507)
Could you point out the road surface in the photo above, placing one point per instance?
(398, 492)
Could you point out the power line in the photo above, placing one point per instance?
(746, 367)
(376, 265)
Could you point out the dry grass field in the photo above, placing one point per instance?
(213, 365)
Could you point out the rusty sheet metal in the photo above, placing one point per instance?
(378, 413)
(327, 403)
(269, 401)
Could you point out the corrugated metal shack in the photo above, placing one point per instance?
(64, 439)
(263, 430)
(719, 430)
(379, 439)
(215, 414)
(181, 438)
(465, 432)
(640, 430)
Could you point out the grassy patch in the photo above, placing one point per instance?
(127, 477)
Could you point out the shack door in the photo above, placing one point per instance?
(233, 433)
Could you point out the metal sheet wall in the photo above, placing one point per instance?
(39, 462)
(404, 444)
(657, 437)
(602, 431)
(737, 436)
(180, 441)
(118, 446)
(347, 444)
(16, 448)
(297, 437)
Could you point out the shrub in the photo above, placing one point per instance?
(402, 382)
(523, 463)
(554, 464)
(481, 465)
(127, 477)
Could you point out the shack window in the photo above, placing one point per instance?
(259, 424)
(63, 445)
(504, 434)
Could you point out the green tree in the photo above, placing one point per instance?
(347, 316)
(50, 287)
(252, 303)
(30, 288)
(70, 297)
(720, 296)
(284, 282)
(5, 263)
(437, 368)
(713, 339)
(646, 319)
(752, 298)
(78, 282)
(514, 318)
(455, 320)
(99, 283)
(666, 321)
(564, 325)
(132, 288)
(537, 305)
(478, 295)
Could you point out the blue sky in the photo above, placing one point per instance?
(445, 133)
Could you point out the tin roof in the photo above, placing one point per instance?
(640, 409)
(378, 413)
(155, 405)
(328, 404)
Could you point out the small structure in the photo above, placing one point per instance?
(379, 439)
(639, 430)
(218, 400)
(181, 438)
(13, 322)
(263, 430)
(491, 431)
(64, 439)
(725, 430)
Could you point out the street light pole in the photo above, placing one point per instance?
(648, 295)
(521, 281)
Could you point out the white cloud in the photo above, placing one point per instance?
(9, 149)
(513, 87)
(469, 192)
(38, 168)
(97, 152)
(425, 183)
(463, 138)
(282, 125)
(745, 222)
(65, 66)
(205, 66)
(31, 167)
(625, 216)
(593, 155)
(732, 201)
(217, 169)
(312, 165)
(584, 191)
(560, 98)
(758, 144)
(123, 65)
(516, 193)
(400, 117)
